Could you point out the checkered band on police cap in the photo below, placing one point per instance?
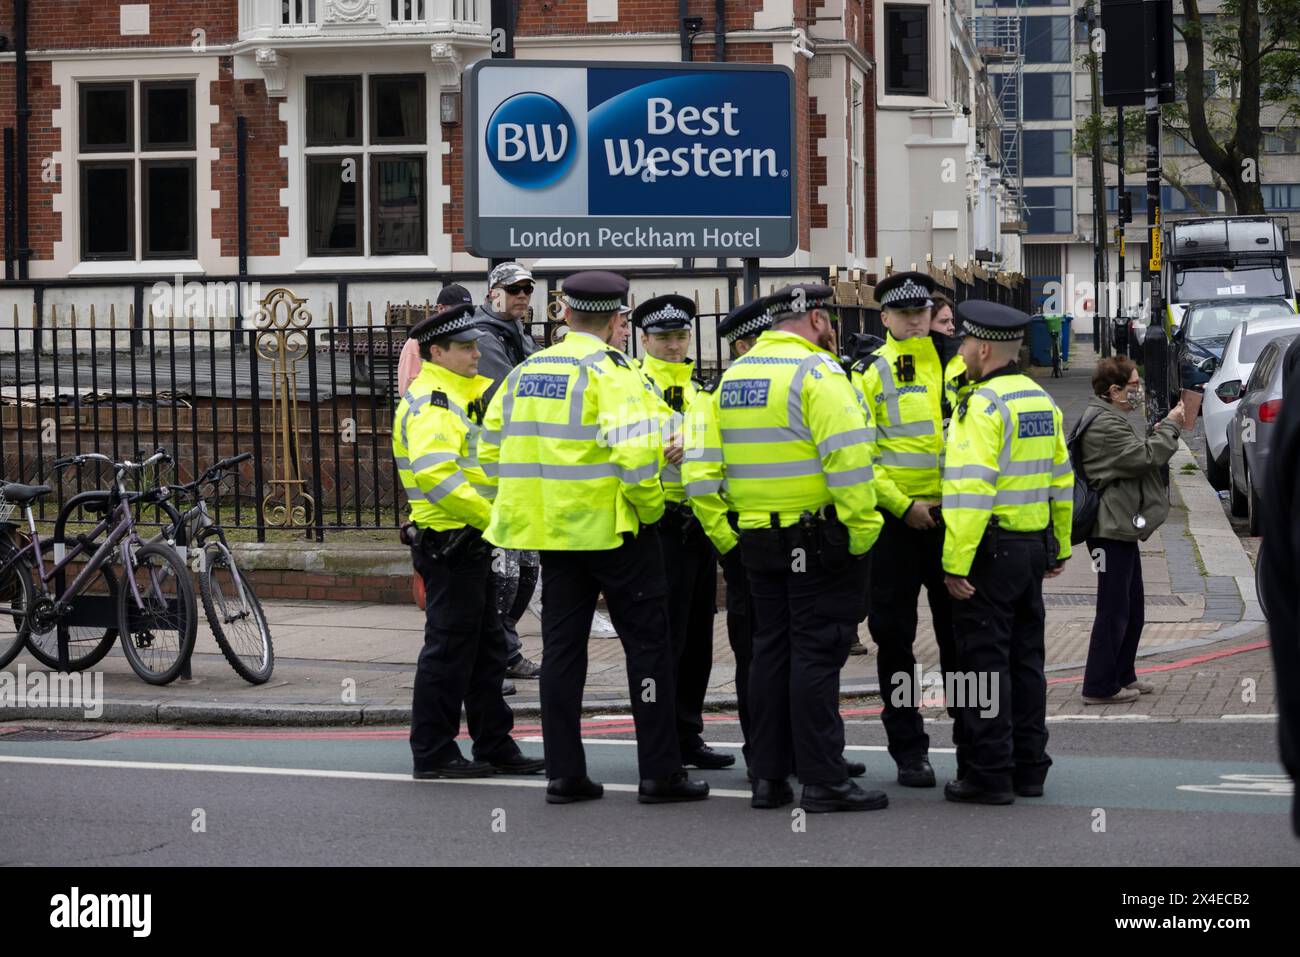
(907, 291)
(446, 323)
(668, 313)
(590, 305)
(760, 323)
(975, 330)
(814, 297)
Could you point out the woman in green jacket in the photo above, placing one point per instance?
(1130, 472)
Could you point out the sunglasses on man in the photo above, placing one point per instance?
(517, 288)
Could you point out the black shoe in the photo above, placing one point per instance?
(916, 773)
(770, 794)
(520, 764)
(456, 768)
(855, 768)
(706, 758)
(823, 798)
(569, 790)
(964, 792)
(507, 689)
(675, 787)
(1029, 790)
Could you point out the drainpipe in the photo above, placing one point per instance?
(23, 113)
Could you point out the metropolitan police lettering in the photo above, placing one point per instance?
(744, 394)
(1034, 425)
(543, 387)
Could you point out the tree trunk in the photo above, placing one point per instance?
(1236, 162)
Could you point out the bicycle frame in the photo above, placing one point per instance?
(198, 527)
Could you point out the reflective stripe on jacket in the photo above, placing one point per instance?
(573, 445)
(795, 437)
(435, 447)
(671, 383)
(1006, 456)
(908, 417)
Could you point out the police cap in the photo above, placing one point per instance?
(593, 291)
(747, 320)
(799, 298)
(664, 314)
(991, 321)
(905, 290)
(456, 324)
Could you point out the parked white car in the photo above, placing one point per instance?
(1228, 385)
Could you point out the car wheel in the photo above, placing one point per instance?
(1254, 508)
(1236, 499)
(1215, 473)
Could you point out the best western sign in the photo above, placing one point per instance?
(617, 160)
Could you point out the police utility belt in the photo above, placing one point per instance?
(823, 535)
(452, 545)
(995, 534)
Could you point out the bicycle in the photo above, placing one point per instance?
(232, 609)
(156, 616)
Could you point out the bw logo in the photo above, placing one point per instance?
(531, 140)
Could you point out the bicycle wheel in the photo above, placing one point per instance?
(236, 616)
(87, 644)
(157, 635)
(17, 595)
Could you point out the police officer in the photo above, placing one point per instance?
(702, 473)
(464, 654)
(903, 386)
(797, 450)
(1007, 508)
(575, 446)
(692, 570)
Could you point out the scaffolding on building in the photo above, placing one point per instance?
(998, 39)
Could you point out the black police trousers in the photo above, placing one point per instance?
(691, 569)
(805, 619)
(632, 579)
(463, 660)
(908, 559)
(740, 635)
(999, 637)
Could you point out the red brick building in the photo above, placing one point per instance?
(131, 144)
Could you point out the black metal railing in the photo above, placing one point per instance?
(204, 390)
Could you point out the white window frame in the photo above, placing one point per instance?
(136, 156)
(366, 150)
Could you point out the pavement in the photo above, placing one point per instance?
(340, 663)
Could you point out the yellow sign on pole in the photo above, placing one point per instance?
(1154, 264)
(1119, 238)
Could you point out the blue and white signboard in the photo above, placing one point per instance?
(629, 160)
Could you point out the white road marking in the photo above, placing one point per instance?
(500, 781)
(630, 742)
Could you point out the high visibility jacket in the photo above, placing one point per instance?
(703, 473)
(795, 438)
(674, 388)
(572, 443)
(1006, 457)
(908, 418)
(954, 382)
(435, 438)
